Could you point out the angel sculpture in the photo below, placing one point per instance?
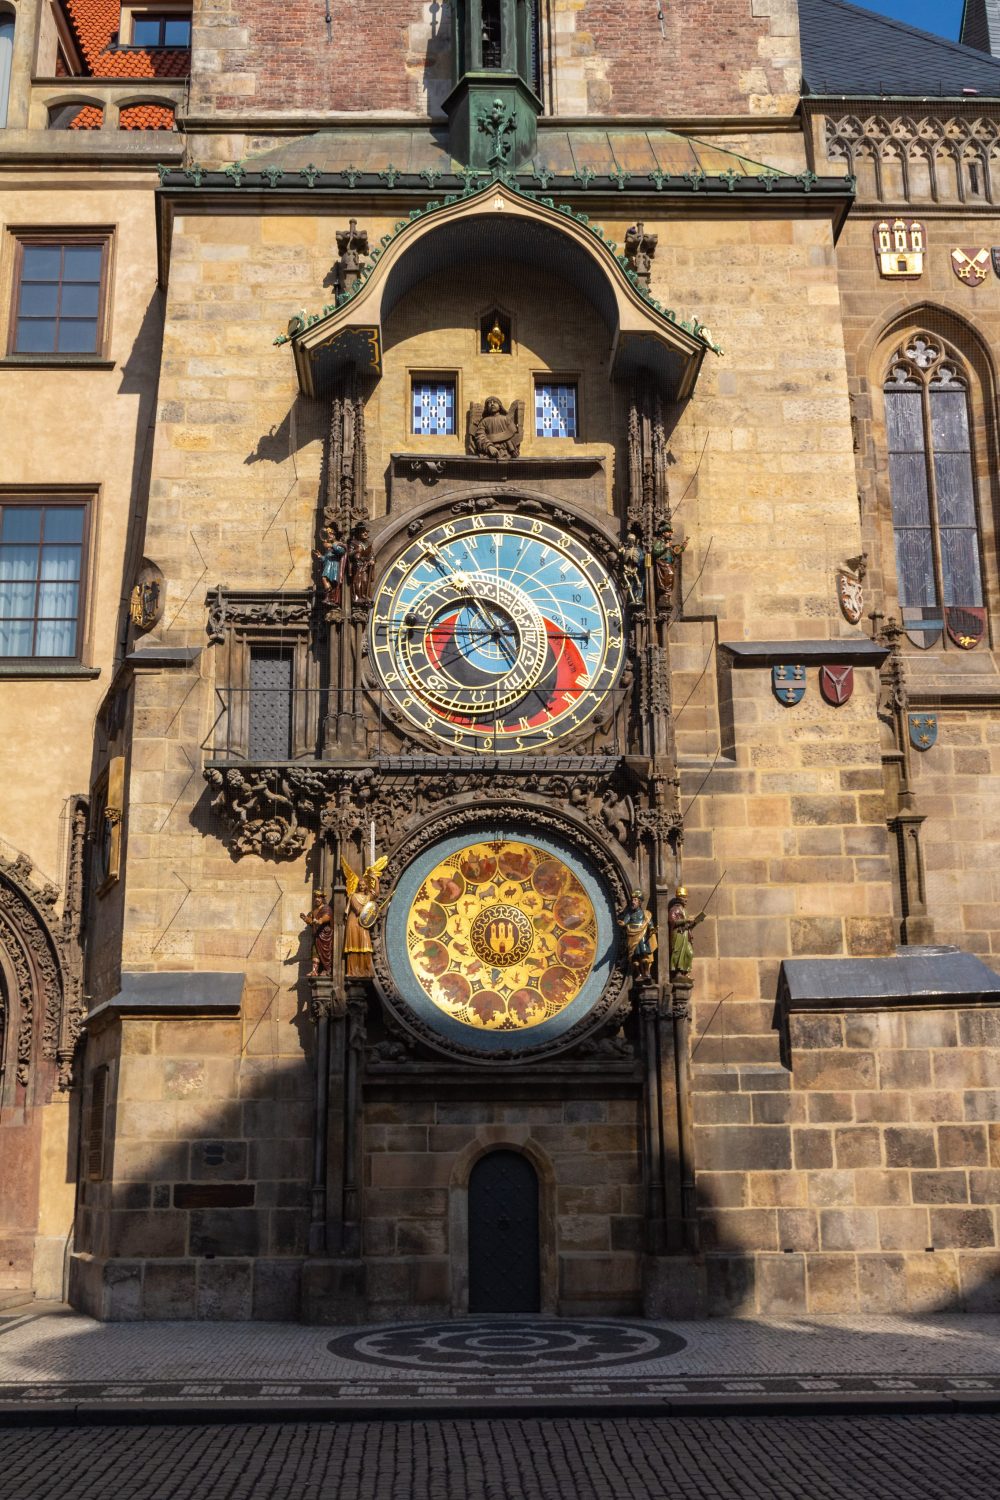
(495, 432)
(363, 911)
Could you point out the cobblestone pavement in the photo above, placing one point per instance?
(801, 1458)
(61, 1357)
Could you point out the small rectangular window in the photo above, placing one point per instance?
(41, 578)
(270, 715)
(555, 410)
(434, 408)
(59, 296)
(161, 30)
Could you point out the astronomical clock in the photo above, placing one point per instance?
(497, 633)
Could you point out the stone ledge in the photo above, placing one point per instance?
(841, 651)
(912, 978)
(211, 993)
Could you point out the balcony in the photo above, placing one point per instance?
(116, 103)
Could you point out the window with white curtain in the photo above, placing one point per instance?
(6, 58)
(41, 577)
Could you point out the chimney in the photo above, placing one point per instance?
(981, 25)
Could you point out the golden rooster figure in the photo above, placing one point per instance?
(363, 911)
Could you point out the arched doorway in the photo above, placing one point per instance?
(504, 1251)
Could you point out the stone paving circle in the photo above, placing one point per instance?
(491, 1344)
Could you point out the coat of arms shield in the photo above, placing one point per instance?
(923, 730)
(788, 682)
(966, 626)
(970, 265)
(851, 597)
(836, 684)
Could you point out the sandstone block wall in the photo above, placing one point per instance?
(863, 1179)
(418, 1155)
(207, 1164)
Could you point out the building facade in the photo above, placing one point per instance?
(533, 811)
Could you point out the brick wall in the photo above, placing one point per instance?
(601, 57)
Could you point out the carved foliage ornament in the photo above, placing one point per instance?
(229, 610)
(43, 959)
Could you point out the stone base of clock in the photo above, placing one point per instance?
(334, 1292)
(674, 1286)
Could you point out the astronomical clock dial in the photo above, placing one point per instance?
(500, 942)
(497, 633)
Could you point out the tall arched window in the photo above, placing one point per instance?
(931, 478)
(6, 59)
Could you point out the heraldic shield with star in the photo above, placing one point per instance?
(923, 730)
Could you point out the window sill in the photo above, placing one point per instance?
(13, 666)
(60, 361)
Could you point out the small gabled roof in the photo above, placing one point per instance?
(852, 52)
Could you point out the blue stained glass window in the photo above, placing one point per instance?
(434, 408)
(555, 411)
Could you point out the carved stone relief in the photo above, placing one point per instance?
(916, 158)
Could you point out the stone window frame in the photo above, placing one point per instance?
(450, 377)
(20, 236)
(960, 346)
(243, 629)
(572, 378)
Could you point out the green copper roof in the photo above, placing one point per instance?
(580, 154)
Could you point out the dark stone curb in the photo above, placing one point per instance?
(230, 1413)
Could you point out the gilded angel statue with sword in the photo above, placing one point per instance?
(363, 911)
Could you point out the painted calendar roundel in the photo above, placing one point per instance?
(497, 633)
(500, 942)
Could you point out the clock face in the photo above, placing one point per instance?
(500, 941)
(497, 633)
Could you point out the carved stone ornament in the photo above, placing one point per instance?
(145, 605)
(43, 957)
(640, 248)
(352, 249)
(493, 431)
(247, 609)
(850, 597)
(928, 156)
(899, 248)
(530, 819)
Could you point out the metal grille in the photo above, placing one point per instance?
(504, 1257)
(95, 1132)
(270, 727)
(555, 411)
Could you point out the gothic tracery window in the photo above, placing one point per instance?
(932, 484)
